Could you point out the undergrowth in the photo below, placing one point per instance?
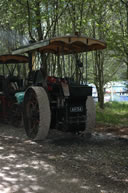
(114, 113)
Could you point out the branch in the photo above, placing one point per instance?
(21, 3)
(110, 77)
(123, 2)
(81, 15)
(54, 21)
(29, 22)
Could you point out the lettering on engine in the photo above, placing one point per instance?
(77, 109)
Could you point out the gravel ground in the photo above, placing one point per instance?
(63, 163)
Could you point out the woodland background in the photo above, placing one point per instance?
(25, 20)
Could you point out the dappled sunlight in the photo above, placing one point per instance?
(72, 180)
(22, 169)
(6, 188)
(85, 187)
(81, 158)
(112, 130)
(71, 164)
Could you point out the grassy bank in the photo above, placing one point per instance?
(114, 113)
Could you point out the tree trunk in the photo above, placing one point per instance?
(99, 77)
(38, 21)
(100, 92)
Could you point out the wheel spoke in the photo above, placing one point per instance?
(36, 112)
(32, 114)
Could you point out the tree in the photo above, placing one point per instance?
(118, 35)
(23, 20)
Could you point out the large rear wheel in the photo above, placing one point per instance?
(36, 114)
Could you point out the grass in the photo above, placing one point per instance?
(114, 113)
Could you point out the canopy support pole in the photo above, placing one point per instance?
(86, 67)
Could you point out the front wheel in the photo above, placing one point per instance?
(90, 115)
(36, 114)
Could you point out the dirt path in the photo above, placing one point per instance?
(62, 164)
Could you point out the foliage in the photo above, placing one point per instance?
(24, 20)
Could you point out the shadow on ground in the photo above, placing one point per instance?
(62, 164)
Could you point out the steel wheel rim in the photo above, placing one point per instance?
(32, 115)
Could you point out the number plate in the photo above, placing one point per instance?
(76, 109)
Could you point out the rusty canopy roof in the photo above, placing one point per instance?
(9, 59)
(64, 45)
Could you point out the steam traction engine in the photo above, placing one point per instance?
(57, 96)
